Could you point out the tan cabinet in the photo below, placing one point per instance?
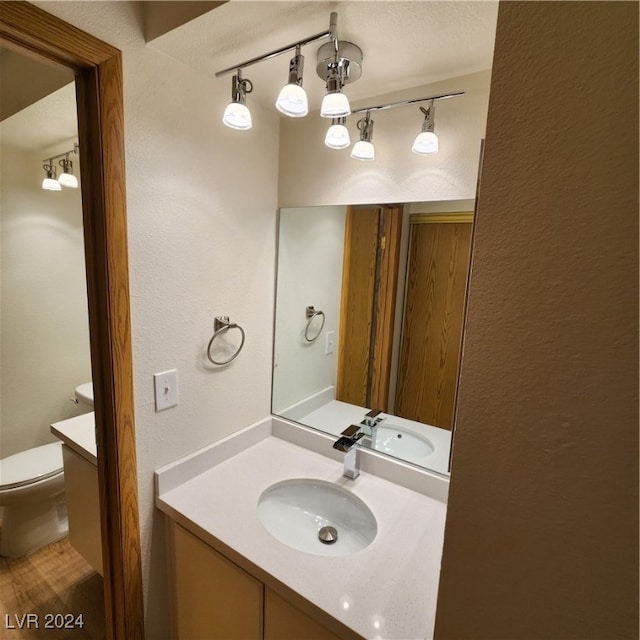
(215, 599)
(83, 506)
(283, 620)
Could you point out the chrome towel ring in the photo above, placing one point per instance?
(310, 314)
(221, 325)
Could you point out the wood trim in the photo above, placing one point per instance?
(386, 307)
(37, 31)
(98, 71)
(356, 305)
(439, 218)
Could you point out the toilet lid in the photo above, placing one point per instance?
(30, 466)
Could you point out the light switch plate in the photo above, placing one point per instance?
(166, 389)
(329, 342)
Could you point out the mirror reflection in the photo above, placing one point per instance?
(49, 511)
(369, 313)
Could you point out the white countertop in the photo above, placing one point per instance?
(79, 434)
(387, 590)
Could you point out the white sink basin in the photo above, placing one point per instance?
(300, 512)
(403, 444)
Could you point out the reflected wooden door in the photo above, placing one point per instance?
(369, 286)
(433, 316)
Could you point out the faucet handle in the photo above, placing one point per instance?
(373, 418)
(349, 438)
(353, 432)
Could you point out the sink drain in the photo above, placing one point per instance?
(328, 535)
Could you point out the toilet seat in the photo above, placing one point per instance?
(33, 465)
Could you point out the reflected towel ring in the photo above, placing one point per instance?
(310, 314)
(221, 325)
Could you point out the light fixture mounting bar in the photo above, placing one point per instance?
(329, 33)
(402, 103)
(64, 154)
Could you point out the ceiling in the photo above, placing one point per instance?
(405, 43)
(47, 123)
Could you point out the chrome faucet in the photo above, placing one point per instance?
(370, 425)
(348, 444)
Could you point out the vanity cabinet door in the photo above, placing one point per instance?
(213, 598)
(283, 620)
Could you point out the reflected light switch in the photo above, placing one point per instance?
(329, 342)
(166, 389)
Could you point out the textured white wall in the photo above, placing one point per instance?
(312, 174)
(44, 333)
(541, 537)
(201, 206)
(310, 251)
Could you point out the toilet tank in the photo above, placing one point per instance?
(84, 395)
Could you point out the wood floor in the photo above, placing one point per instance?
(55, 585)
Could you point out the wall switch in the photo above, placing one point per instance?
(329, 342)
(166, 389)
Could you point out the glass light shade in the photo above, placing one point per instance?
(68, 180)
(51, 184)
(337, 137)
(425, 143)
(363, 150)
(335, 105)
(237, 116)
(292, 101)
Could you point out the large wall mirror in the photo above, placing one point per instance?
(369, 315)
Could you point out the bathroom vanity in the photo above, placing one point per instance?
(235, 571)
(81, 485)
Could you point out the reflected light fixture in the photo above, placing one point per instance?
(237, 114)
(364, 149)
(337, 134)
(67, 179)
(292, 99)
(50, 183)
(426, 142)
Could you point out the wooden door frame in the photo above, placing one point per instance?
(382, 307)
(98, 71)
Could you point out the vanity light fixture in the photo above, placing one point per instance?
(426, 141)
(66, 179)
(50, 183)
(292, 99)
(337, 63)
(237, 114)
(335, 104)
(364, 149)
(337, 134)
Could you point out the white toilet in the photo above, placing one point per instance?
(84, 396)
(32, 495)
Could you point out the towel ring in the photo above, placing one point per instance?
(221, 325)
(310, 314)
